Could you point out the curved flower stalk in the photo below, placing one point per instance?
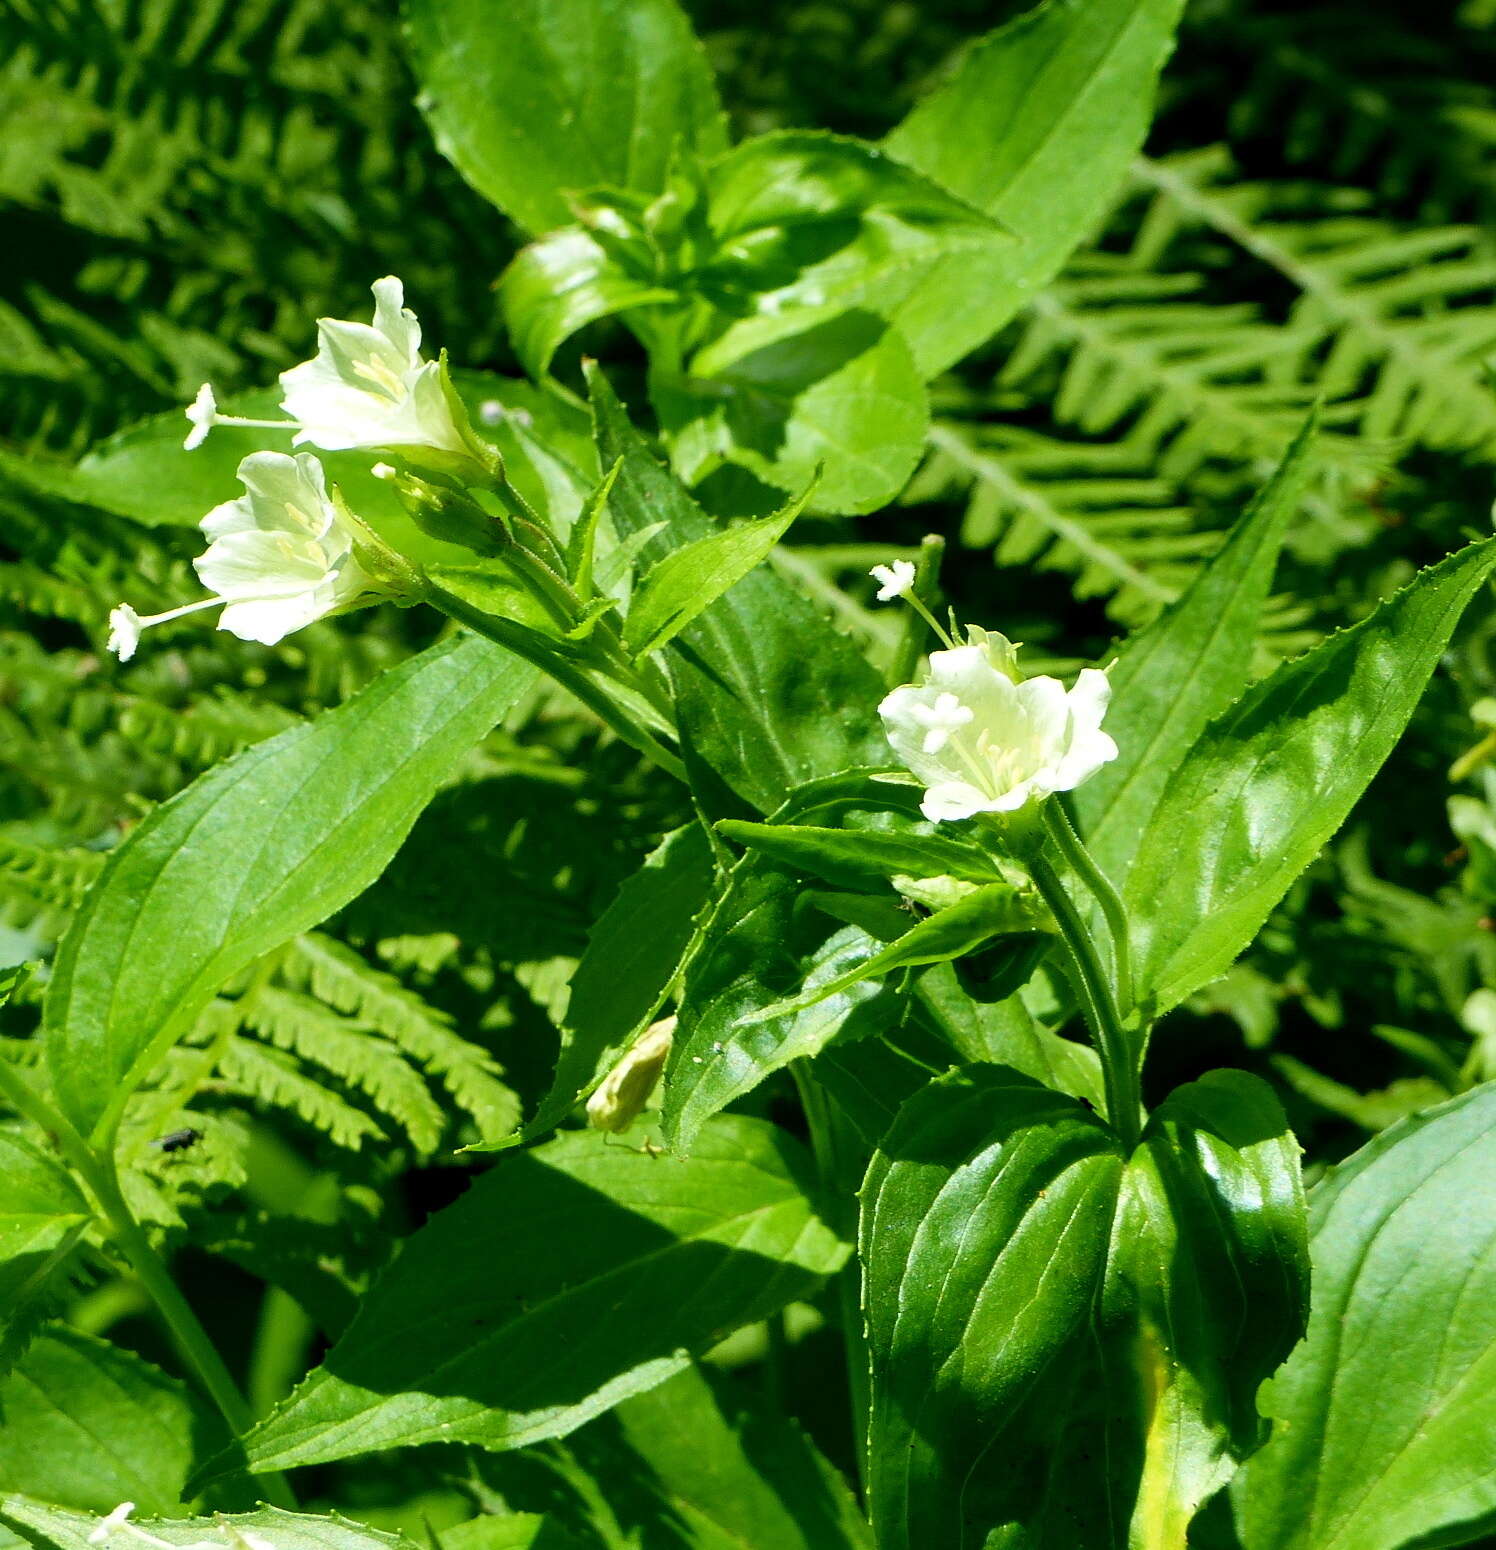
(983, 740)
(367, 386)
(281, 556)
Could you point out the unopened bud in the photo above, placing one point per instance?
(625, 1090)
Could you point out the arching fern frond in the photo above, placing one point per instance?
(1399, 320)
(1087, 509)
(39, 888)
(274, 1078)
(338, 976)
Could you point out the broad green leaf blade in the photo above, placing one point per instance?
(1037, 128)
(810, 392)
(67, 1530)
(1209, 1281)
(632, 957)
(90, 1425)
(803, 216)
(560, 284)
(565, 1280)
(722, 1473)
(261, 847)
(770, 696)
(1385, 1417)
(861, 858)
(557, 95)
(1271, 780)
(683, 585)
(993, 909)
(986, 1216)
(1066, 1346)
(1186, 667)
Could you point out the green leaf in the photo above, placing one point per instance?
(723, 1050)
(978, 1292)
(67, 1530)
(1066, 1345)
(260, 848)
(633, 953)
(769, 695)
(694, 1454)
(1186, 667)
(560, 284)
(1270, 781)
(42, 1217)
(993, 909)
(547, 100)
(802, 217)
(472, 1335)
(861, 858)
(1385, 1417)
(90, 1425)
(1037, 128)
(787, 396)
(683, 585)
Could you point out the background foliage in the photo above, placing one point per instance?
(187, 184)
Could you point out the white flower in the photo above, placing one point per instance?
(982, 741)
(280, 556)
(897, 579)
(368, 386)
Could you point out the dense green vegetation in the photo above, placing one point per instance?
(186, 187)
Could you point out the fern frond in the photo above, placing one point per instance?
(350, 1051)
(1399, 320)
(271, 1077)
(40, 889)
(335, 974)
(1182, 379)
(1089, 510)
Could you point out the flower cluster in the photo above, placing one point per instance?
(983, 739)
(285, 553)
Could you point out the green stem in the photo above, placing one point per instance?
(1124, 1099)
(191, 1339)
(569, 675)
(1057, 820)
(912, 639)
(836, 1172)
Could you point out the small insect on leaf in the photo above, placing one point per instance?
(178, 1140)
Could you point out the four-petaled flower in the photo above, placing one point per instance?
(280, 556)
(983, 741)
(368, 385)
(895, 580)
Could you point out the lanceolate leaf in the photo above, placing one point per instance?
(1066, 1343)
(562, 96)
(1037, 129)
(565, 1280)
(258, 849)
(769, 695)
(1385, 1417)
(632, 956)
(861, 858)
(1185, 668)
(683, 585)
(1271, 780)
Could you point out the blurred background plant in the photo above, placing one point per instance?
(185, 185)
